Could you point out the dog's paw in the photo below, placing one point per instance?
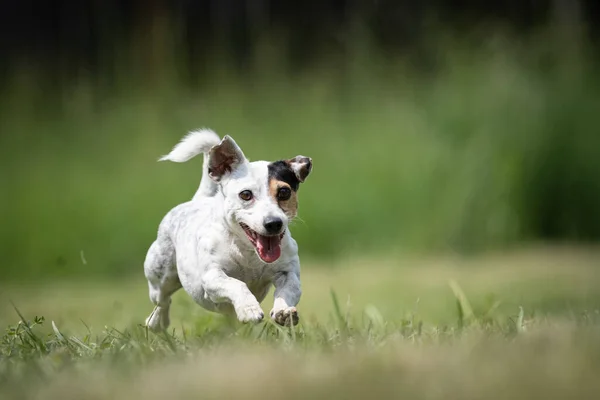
(286, 316)
(250, 313)
(158, 321)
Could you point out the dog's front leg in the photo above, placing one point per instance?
(287, 295)
(221, 288)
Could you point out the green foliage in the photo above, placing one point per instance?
(495, 146)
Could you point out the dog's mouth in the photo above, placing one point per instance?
(267, 247)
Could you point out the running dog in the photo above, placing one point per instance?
(228, 245)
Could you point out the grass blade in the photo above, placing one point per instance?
(465, 311)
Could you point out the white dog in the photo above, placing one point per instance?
(231, 242)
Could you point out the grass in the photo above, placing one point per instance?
(493, 146)
(391, 327)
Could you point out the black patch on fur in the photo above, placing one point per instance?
(281, 171)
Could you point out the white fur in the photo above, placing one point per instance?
(192, 144)
(201, 246)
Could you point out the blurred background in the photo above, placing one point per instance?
(436, 127)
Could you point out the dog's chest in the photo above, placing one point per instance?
(245, 265)
(250, 274)
(258, 279)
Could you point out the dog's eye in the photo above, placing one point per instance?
(246, 195)
(284, 193)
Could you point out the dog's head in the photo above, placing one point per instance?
(260, 197)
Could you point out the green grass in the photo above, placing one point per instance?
(494, 147)
(395, 327)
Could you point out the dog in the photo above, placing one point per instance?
(231, 242)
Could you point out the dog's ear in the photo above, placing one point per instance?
(224, 158)
(301, 166)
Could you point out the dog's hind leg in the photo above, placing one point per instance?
(161, 271)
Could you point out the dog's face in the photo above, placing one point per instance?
(260, 197)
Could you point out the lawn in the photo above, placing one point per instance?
(492, 146)
(523, 324)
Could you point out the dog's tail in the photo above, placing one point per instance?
(192, 144)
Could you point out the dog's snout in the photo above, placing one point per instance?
(273, 224)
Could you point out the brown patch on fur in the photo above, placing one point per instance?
(289, 206)
(301, 166)
(223, 157)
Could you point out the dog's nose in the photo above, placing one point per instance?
(273, 224)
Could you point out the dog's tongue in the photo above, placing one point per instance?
(269, 247)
